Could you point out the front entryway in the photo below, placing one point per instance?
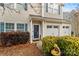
(36, 31)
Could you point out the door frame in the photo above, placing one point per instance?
(33, 32)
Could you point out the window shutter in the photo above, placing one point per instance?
(26, 27)
(46, 7)
(1, 27)
(25, 6)
(59, 7)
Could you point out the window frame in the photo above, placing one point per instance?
(49, 26)
(56, 26)
(22, 29)
(52, 8)
(21, 6)
(9, 29)
(66, 27)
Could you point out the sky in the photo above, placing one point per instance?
(70, 6)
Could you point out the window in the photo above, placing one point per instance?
(67, 26)
(22, 27)
(21, 6)
(49, 7)
(63, 26)
(49, 26)
(55, 9)
(10, 5)
(1, 27)
(9, 27)
(52, 8)
(55, 26)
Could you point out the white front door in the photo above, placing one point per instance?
(36, 31)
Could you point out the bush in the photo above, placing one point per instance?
(48, 44)
(13, 38)
(69, 46)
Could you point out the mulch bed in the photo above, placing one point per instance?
(21, 50)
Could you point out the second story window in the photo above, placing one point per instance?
(59, 9)
(53, 8)
(9, 5)
(21, 6)
(49, 7)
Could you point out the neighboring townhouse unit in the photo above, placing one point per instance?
(75, 22)
(40, 19)
(69, 16)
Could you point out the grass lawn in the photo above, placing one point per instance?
(21, 50)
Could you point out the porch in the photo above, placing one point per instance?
(36, 28)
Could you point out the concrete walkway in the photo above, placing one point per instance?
(39, 44)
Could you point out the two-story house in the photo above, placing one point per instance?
(40, 19)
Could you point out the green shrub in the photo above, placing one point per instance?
(69, 46)
(48, 44)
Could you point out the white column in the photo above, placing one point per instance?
(31, 31)
(60, 30)
(14, 5)
(43, 28)
(43, 9)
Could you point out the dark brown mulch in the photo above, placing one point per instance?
(21, 50)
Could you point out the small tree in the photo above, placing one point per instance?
(6, 6)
